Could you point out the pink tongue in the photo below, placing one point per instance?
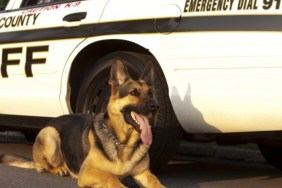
(146, 133)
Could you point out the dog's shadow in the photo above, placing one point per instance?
(185, 108)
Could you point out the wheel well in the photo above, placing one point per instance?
(89, 55)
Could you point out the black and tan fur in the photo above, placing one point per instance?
(100, 150)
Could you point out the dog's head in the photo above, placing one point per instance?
(133, 100)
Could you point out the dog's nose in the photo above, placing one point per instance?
(153, 106)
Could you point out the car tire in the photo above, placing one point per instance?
(94, 94)
(272, 154)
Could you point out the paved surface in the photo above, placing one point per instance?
(191, 172)
(246, 153)
(209, 167)
(237, 153)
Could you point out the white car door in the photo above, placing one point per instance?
(36, 39)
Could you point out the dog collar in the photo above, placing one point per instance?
(110, 134)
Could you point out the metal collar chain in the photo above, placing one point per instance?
(110, 134)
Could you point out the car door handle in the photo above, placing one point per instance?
(75, 17)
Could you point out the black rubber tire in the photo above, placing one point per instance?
(94, 93)
(272, 154)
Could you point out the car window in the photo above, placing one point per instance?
(45, 1)
(3, 4)
(26, 3)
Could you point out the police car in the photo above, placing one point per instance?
(219, 65)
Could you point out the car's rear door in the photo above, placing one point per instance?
(36, 39)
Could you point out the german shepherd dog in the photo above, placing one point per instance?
(101, 150)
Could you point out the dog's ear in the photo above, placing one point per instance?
(119, 73)
(148, 74)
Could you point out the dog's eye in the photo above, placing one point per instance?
(134, 92)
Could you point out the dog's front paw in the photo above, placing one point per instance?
(60, 171)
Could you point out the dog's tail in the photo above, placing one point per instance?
(17, 161)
